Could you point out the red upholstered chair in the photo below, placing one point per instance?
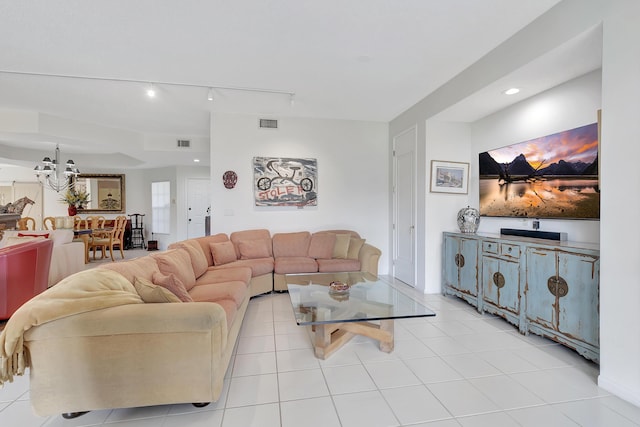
(24, 273)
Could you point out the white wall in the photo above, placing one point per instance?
(353, 176)
(445, 141)
(620, 238)
(567, 106)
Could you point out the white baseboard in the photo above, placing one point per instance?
(625, 393)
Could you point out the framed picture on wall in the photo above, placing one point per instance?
(285, 181)
(449, 177)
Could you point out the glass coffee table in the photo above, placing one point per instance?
(368, 308)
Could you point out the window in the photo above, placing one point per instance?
(161, 207)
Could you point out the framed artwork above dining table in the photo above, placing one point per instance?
(106, 192)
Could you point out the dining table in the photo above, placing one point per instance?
(85, 236)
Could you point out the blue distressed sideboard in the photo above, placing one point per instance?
(549, 288)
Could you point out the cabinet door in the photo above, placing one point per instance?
(468, 266)
(578, 314)
(461, 264)
(562, 293)
(541, 265)
(501, 283)
(450, 267)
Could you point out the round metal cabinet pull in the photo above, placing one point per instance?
(558, 286)
(498, 279)
(460, 260)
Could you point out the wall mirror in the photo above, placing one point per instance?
(106, 192)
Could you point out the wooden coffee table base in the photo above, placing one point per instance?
(327, 338)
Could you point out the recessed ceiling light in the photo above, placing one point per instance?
(151, 91)
(196, 160)
(511, 91)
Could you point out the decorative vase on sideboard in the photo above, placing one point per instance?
(468, 219)
(72, 210)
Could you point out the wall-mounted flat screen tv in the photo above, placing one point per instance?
(554, 176)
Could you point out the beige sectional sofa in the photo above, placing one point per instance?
(270, 257)
(140, 354)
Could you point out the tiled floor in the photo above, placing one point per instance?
(457, 369)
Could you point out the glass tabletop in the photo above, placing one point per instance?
(368, 298)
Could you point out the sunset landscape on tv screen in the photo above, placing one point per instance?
(554, 176)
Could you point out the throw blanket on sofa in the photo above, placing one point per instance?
(79, 293)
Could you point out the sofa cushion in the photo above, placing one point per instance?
(291, 244)
(139, 267)
(222, 253)
(174, 284)
(33, 234)
(225, 275)
(205, 244)
(337, 264)
(151, 293)
(321, 245)
(199, 262)
(341, 247)
(251, 249)
(177, 262)
(213, 292)
(260, 234)
(355, 245)
(258, 266)
(295, 264)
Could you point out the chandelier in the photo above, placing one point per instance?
(57, 178)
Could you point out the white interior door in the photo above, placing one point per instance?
(198, 201)
(404, 263)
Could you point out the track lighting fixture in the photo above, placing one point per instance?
(151, 90)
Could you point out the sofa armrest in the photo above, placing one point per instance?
(369, 256)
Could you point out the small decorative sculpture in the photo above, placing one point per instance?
(18, 206)
(468, 219)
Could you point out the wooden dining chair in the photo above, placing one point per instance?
(95, 222)
(80, 223)
(49, 223)
(26, 223)
(109, 239)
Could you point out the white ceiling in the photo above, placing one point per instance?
(355, 60)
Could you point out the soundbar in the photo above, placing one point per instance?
(549, 235)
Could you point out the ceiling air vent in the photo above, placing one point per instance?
(269, 123)
(184, 143)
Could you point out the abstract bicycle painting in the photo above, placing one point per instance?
(284, 181)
